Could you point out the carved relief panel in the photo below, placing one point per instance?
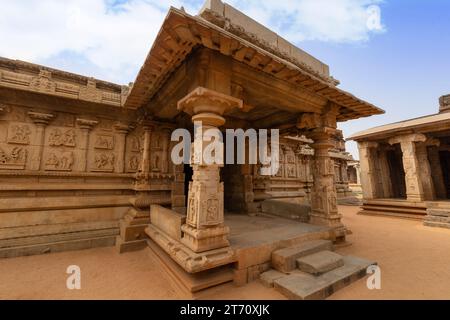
(56, 160)
(134, 151)
(19, 134)
(62, 137)
(104, 162)
(13, 158)
(105, 142)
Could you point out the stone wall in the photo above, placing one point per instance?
(68, 178)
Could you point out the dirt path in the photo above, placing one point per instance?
(414, 260)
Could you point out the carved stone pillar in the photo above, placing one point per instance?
(368, 169)
(41, 120)
(358, 174)
(85, 126)
(411, 165)
(143, 175)
(205, 229)
(122, 131)
(425, 174)
(437, 174)
(324, 195)
(166, 134)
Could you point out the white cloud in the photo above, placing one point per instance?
(114, 40)
(323, 20)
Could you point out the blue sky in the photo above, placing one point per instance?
(402, 68)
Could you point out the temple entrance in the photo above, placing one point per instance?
(188, 173)
(445, 164)
(397, 172)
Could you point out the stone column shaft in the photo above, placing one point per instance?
(425, 174)
(324, 195)
(437, 174)
(368, 179)
(414, 187)
(122, 131)
(85, 127)
(41, 120)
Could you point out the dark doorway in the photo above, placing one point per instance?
(397, 172)
(445, 164)
(188, 174)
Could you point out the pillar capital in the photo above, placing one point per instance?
(122, 128)
(367, 144)
(413, 137)
(40, 119)
(86, 124)
(206, 101)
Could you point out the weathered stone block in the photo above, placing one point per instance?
(284, 260)
(168, 221)
(268, 278)
(287, 209)
(320, 262)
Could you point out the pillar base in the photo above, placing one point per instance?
(332, 221)
(201, 240)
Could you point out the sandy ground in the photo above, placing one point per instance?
(414, 260)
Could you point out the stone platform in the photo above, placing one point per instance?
(253, 239)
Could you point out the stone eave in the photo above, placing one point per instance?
(181, 33)
(30, 77)
(433, 123)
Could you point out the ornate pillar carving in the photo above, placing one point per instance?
(368, 169)
(414, 187)
(425, 174)
(41, 120)
(323, 194)
(166, 134)
(205, 229)
(122, 131)
(143, 175)
(85, 126)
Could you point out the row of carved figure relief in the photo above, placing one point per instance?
(298, 164)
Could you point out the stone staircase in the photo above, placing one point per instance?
(438, 214)
(312, 271)
(394, 208)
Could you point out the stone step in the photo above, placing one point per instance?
(395, 209)
(439, 205)
(320, 262)
(439, 212)
(304, 286)
(285, 260)
(55, 247)
(391, 214)
(436, 224)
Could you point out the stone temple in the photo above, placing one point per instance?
(87, 163)
(405, 168)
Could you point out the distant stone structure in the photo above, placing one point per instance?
(405, 168)
(82, 161)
